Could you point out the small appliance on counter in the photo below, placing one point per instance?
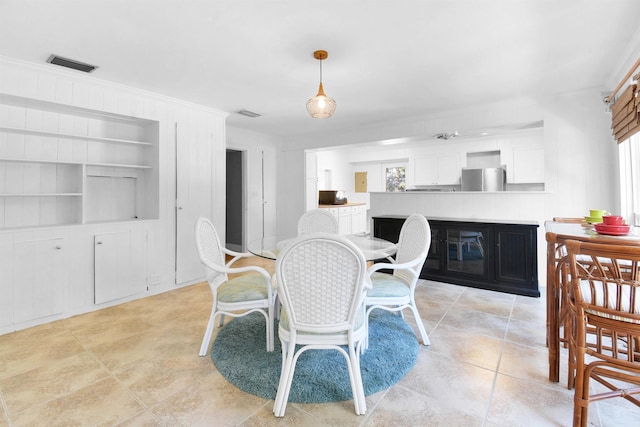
(485, 179)
(332, 197)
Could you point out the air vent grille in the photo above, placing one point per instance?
(70, 63)
(248, 113)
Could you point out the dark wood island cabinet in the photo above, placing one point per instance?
(490, 255)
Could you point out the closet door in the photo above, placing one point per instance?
(200, 189)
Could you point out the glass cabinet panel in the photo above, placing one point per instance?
(466, 251)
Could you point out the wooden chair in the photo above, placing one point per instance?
(571, 220)
(235, 297)
(605, 290)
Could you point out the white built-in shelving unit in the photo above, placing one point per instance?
(65, 165)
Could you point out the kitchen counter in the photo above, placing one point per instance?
(469, 220)
(341, 206)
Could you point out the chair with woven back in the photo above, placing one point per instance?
(396, 291)
(249, 292)
(605, 292)
(322, 280)
(317, 221)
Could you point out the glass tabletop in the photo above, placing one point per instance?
(372, 247)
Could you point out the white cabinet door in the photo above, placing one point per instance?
(448, 169)
(344, 220)
(425, 171)
(6, 279)
(120, 267)
(528, 165)
(359, 219)
(38, 278)
(437, 170)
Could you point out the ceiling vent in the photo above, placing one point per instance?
(445, 135)
(70, 63)
(248, 113)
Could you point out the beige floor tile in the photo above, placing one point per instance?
(405, 407)
(476, 321)
(210, 401)
(141, 419)
(524, 362)
(454, 386)
(50, 381)
(497, 303)
(154, 380)
(104, 403)
(528, 333)
(466, 346)
(517, 402)
(35, 350)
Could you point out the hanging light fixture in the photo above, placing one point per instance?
(321, 106)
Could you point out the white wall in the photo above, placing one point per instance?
(261, 159)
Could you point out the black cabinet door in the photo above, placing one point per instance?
(514, 259)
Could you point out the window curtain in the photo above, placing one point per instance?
(625, 114)
(629, 161)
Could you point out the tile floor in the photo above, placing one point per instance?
(136, 364)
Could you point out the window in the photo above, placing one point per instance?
(395, 179)
(629, 155)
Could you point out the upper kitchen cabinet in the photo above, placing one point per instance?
(63, 165)
(441, 169)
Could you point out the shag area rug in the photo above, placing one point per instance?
(239, 353)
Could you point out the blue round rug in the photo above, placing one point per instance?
(320, 376)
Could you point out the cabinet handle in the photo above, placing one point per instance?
(58, 247)
(98, 243)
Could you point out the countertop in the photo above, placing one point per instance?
(474, 220)
(341, 206)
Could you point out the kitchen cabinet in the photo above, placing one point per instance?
(442, 169)
(351, 219)
(120, 268)
(62, 165)
(495, 256)
(33, 270)
(528, 165)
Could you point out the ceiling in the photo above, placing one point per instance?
(388, 60)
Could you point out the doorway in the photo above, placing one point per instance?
(234, 227)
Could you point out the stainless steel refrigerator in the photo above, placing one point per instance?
(486, 179)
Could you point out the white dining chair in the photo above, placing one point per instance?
(322, 282)
(396, 291)
(317, 220)
(242, 295)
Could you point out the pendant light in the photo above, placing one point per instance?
(321, 106)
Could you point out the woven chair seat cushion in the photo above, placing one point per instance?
(387, 285)
(248, 287)
(284, 323)
(585, 288)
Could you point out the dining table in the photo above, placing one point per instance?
(373, 248)
(558, 277)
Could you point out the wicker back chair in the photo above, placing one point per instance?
(605, 288)
(317, 221)
(395, 292)
(322, 280)
(239, 296)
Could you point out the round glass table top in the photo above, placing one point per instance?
(372, 247)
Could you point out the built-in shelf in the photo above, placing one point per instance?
(42, 195)
(72, 136)
(70, 165)
(62, 162)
